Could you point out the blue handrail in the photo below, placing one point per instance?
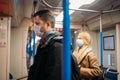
(101, 43)
(101, 54)
(34, 44)
(66, 42)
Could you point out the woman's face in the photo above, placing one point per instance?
(85, 37)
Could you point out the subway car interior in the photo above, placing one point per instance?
(18, 42)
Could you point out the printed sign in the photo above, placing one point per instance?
(3, 32)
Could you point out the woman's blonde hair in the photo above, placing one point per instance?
(85, 36)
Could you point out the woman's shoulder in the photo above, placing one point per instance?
(91, 53)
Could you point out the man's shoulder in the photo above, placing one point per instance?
(56, 39)
(55, 42)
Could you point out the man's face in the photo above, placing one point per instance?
(38, 21)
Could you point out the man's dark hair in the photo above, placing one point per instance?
(46, 15)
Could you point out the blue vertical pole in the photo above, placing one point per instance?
(30, 45)
(101, 51)
(66, 42)
(34, 45)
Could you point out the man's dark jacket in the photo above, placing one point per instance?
(47, 62)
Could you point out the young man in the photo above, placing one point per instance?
(47, 62)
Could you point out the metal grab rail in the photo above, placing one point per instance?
(108, 71)
(87, 10)
(112, 72)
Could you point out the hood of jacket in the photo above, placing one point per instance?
(50, 35)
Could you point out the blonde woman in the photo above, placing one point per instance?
(89, 67)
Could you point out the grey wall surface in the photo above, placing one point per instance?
(110, 56)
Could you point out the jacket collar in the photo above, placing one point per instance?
(48, 36)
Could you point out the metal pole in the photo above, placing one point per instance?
(101, 52)
(34, 35)
(86, 10)
(66, 75)
(114, 10)
(34, 45)
(30, 45)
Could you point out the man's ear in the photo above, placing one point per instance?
(48, 23)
